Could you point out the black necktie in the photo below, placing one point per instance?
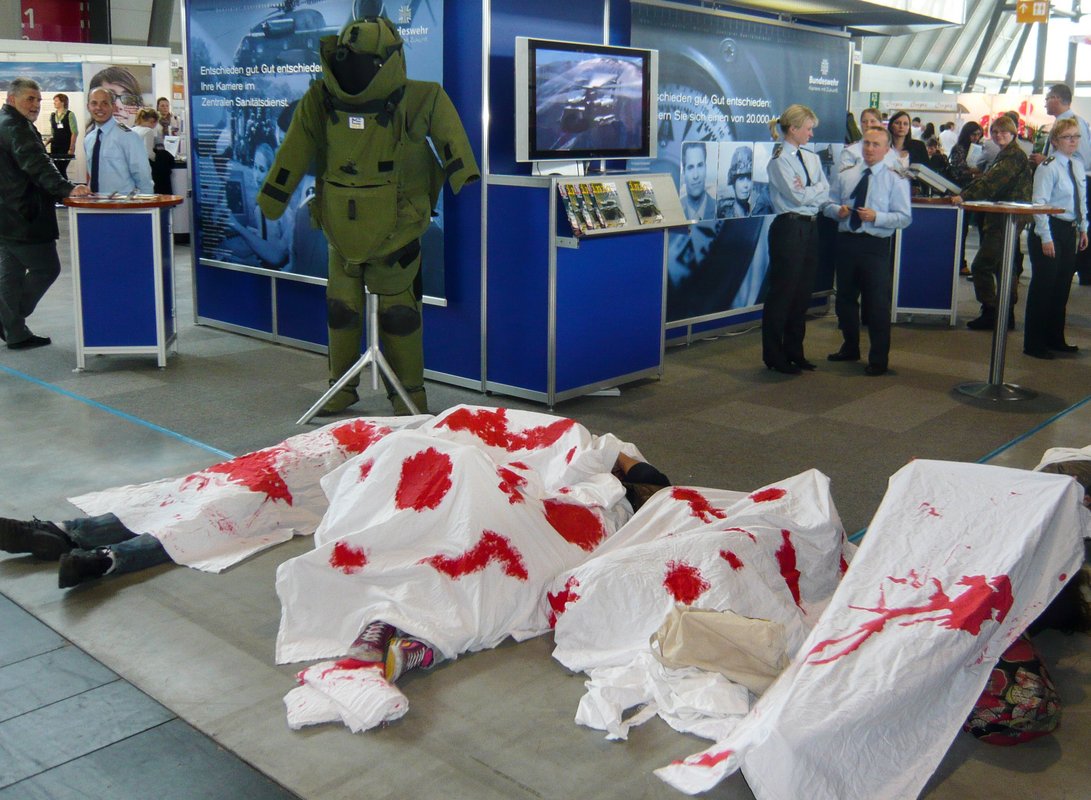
(799, 155)
(94, 161)
(859, 197)
(1077, 207)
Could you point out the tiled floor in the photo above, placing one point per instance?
(71, 728)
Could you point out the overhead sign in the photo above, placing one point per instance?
(1028, 12)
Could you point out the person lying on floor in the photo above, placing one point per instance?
(400, 652)
(218, 516)
(209, 519)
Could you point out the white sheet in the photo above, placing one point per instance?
(958, 560)
(225, 513)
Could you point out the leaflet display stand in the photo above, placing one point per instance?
(123, 275)
(995, 388)
(570, 315)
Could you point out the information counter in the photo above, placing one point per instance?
(123, 275)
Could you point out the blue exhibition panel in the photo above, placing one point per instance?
(234, 297)
(301, 311)
(117, 278)
(518, 286)
(166, 248)
(929, 259)
(610, 288)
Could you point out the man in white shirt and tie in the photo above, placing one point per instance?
(116, 160)
(870, 199)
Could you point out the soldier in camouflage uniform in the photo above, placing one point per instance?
(1008, 179)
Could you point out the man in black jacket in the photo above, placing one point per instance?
(29, 187)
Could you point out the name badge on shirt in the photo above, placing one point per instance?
(356, 123)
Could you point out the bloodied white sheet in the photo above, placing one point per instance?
(958, 560)
(775, 554)
(451, 532)
(217, 517)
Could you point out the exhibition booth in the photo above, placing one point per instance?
(516, 302)
(573, 110)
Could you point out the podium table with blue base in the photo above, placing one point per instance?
(123, 275)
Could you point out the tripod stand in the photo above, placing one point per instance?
(372, 357)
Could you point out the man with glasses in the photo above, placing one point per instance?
(1059, 106)
(30, 185)
(116, 160)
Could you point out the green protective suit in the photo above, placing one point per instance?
(378, 180)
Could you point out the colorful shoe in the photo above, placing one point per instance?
(371, 644)
(79, 566)
(41, 539)
(404, 654)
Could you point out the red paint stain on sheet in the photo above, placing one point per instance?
(558, 603)
(1062, 577)
(425, 480)
(568, 456)
(510, 484)
(518, 465)
(491, 427)
(492, 547)
(346, 664)
(753, 538)
(984, 599)
(347, 558)
(844, 565)
(706, 759)
(358, 435)
(786, 559)
(684, 582)
(577, 524)
(224, 524)
(732, 559)
(768, 495)
(929, 509)
(256, 471)
(699, 505)
(365, 469)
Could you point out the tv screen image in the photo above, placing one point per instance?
(583, 101)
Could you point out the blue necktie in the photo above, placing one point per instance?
(1075, 194)
(859, 197)
(802, 163)
(94, 161)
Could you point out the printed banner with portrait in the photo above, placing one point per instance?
(722, 79)
(249, 64)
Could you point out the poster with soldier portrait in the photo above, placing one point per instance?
(723, 77)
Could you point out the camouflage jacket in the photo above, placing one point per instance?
(1008, 179)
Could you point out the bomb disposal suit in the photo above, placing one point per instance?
(366, 127)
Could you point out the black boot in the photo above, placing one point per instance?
(78, 566)
(986, 322)
(41, 539)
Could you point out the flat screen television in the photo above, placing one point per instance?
(577, 102)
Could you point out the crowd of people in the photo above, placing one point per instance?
(869, 197)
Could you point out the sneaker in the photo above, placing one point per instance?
(41, 539)
(371, 644)
(78, 566)
(404, 654)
